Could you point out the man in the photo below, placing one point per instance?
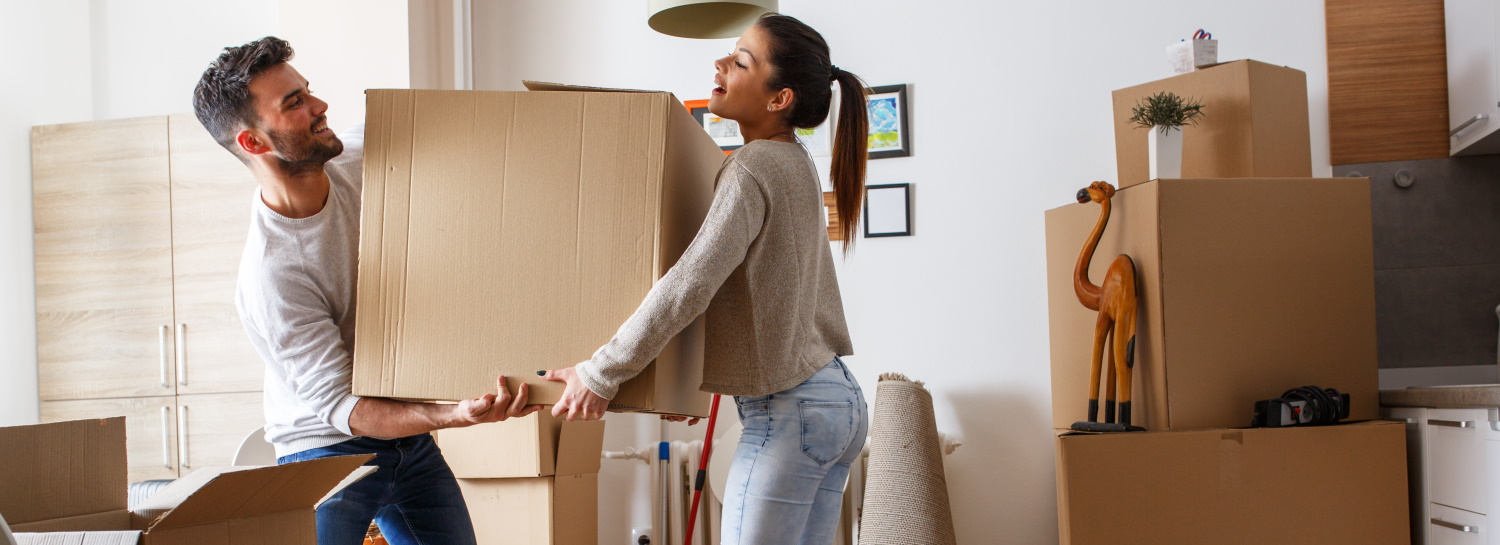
(296, 298)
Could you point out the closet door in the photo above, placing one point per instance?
(210, 427)
(103, 232)
(150, 429)
(211, 197)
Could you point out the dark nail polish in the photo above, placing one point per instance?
(541, 373)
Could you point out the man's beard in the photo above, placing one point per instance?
(303, 153)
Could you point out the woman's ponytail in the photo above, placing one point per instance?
(801, 60)
(850, 144)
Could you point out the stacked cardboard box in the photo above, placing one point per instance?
(65, 483)
(1252, 279)
(529, 481)
(507, 232)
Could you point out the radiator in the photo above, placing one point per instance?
(676, 475)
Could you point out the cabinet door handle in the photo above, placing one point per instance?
(166, 437)
(1451, 423)
(161, 348)
(1456, 526)
(182, 354)
(1471, 121)
(182, 433)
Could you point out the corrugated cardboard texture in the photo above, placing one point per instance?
(1254, 124)
(1338, 484)
(1248, 287)
(63, 469)
(535, 446)
(506, 232)
(295, 527)
(534, 511)
(217, 494)
(79, 538)
(97, 522)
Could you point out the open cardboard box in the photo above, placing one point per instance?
(1328, 484)
(508, 232)
(65, 484)
(538, 445)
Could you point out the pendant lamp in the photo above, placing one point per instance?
(706, 19)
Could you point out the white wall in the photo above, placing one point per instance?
(347, 46)
(47, 63)
(1011, 115)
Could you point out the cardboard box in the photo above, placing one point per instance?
(1247, 288)
(535, 446)
(1254, 124)
(508, 232)
(558, 510)
(65, 483)
(1335, 484)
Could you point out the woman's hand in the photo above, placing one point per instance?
(675, 418)
(578, 402)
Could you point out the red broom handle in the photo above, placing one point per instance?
(708, 446)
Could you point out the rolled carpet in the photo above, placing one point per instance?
(906, 494)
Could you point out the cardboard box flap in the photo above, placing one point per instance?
(62, 469)
(579, 448)
(215, 494)
(359, 473)
(79, 538)
(545, 86)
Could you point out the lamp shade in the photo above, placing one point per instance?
(706, 18)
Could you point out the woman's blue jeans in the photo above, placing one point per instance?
(786, 484)
(413, 496)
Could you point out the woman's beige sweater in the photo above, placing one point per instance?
(761, 267)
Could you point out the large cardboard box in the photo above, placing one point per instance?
(65, 483)
(1335, 484)
(557, 510)
(508, 232)
(1248, 288)
(1254, 124)
(535, 446)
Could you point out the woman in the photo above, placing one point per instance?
(762, 269)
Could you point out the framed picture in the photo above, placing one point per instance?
(818, 140)
(725, 132)
(889, 132)
(888, 210)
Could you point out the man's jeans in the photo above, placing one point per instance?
(413, 496)
(786, 482)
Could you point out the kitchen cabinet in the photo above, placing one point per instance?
(170, 436)
(139, 226)
(1473, 50)
(1454, 472)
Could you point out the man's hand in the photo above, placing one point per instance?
(578, 402)
(495, 408)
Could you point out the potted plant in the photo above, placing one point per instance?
(1167, 113)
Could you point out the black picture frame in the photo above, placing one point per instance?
(902, 122)
(904, 191)
(698, 114)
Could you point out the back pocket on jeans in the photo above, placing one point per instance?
(827, 428)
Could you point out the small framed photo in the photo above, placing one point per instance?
(890, 135)
(888, 210)
(725, 132)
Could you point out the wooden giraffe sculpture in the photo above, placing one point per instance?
(1116, 302)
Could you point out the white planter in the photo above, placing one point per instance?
(1166, 153)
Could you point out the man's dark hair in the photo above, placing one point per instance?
(222, 99)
